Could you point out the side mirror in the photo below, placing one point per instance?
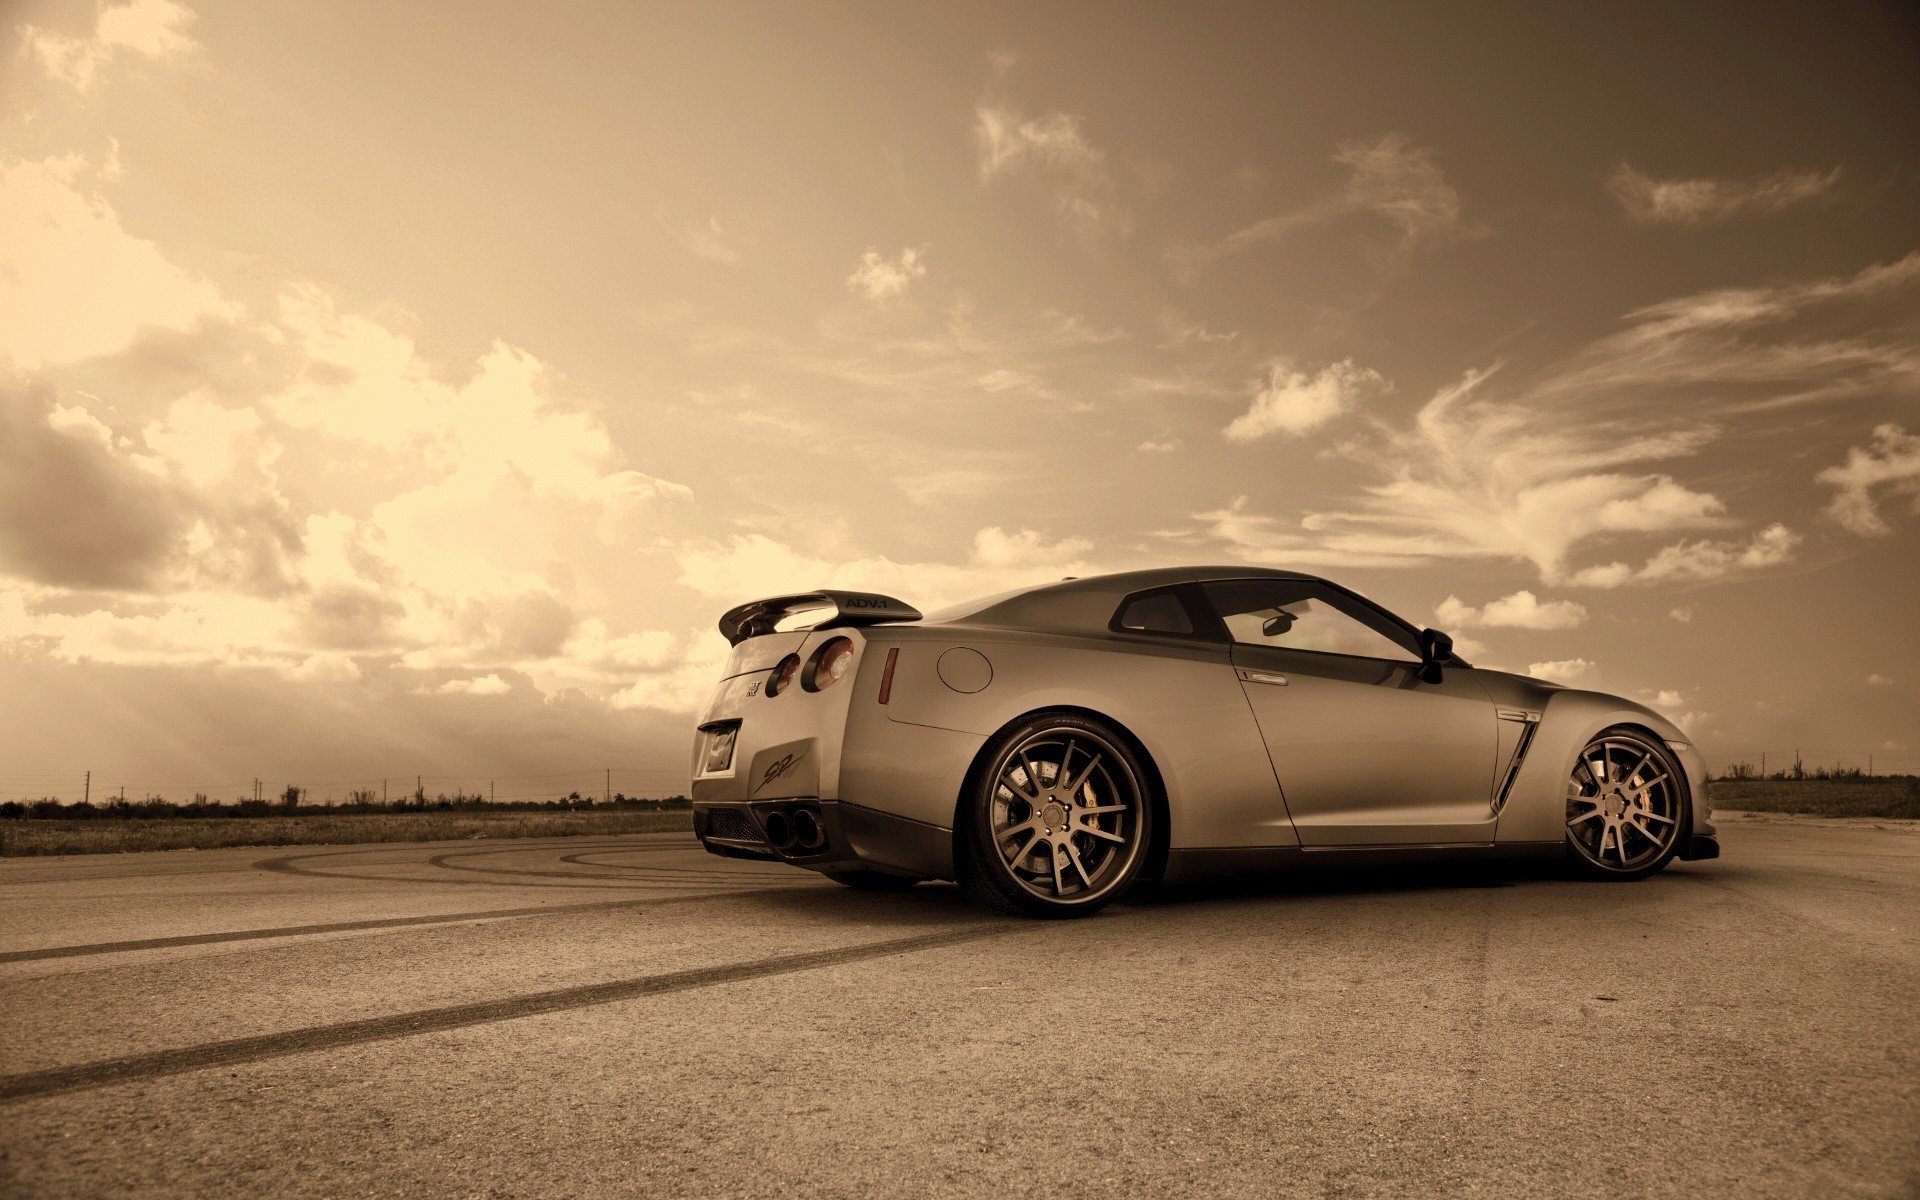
(1436, 650)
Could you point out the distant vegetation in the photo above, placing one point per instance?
(49, 826)
(1831, 794)
(288, 804)
(108, 833)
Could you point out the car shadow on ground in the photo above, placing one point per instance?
(939, 904)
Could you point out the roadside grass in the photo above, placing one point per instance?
(1891, 796)
(110, 836)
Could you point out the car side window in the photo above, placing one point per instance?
(1178, 610)
(1156, 612)
(1302, 614)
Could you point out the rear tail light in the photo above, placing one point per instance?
(783, 674)
(829, 663)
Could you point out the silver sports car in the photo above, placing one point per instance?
(1048, 747)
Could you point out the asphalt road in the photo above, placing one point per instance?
(627, 1016)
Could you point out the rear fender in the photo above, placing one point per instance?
(1181, 703)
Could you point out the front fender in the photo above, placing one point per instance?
(1536, 810)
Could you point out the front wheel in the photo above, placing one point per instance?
(1626, 806)
(1059, 822)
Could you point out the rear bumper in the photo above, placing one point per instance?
(855, 837)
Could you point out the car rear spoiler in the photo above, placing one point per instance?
(758, 617)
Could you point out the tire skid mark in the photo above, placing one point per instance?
(291, 864)
(248, 935)
(139, 1067)
(445, 862)
(642, 870)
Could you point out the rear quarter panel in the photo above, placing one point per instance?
(1182, 701)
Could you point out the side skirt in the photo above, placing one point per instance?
(1214, 862)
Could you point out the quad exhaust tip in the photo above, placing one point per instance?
(795, 831)
(806, 830)
(779, 830)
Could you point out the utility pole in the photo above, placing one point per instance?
(493, 795)
(383, 793)
(87, 796)
(609, 785)
(123, 793)
(1763, 764)
(1869, 764)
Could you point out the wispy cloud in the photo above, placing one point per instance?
(151, 29)
(1295, 403)
(1053, 148)
(708, 239)
(1891, 462)
(1571, 456)
(1653, 201)
(885, 280)
(1389, 180)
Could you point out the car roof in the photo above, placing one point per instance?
(1087, 603)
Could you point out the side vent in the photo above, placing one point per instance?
(1529, 724)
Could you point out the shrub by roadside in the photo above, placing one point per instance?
(1889, 796)
(110, 836)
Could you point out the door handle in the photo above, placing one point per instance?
(1273, 677)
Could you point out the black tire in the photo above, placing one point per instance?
(862, 880)
(1627, 804)
(1071, 785)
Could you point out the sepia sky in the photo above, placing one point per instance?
(393, 388)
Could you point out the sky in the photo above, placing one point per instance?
(394, 388)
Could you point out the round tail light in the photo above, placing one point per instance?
(830, 662)
(783, 674)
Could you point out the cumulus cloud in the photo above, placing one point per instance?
(199, 507)
(1572, 671)
(1697, 561)
(1295, 403)
(73, 282)
(151, 29)
(1521, 610)
(1891, 462)
(1878, 680)
(883, 279)
(752, 565)
(1653, 201)
(485, 685)
(1687, 561)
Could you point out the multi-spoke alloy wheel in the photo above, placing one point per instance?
(1060, 821)
(1626, 805)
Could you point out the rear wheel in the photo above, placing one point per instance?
(1059, 822)
(1626, 806)
(862, 880)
